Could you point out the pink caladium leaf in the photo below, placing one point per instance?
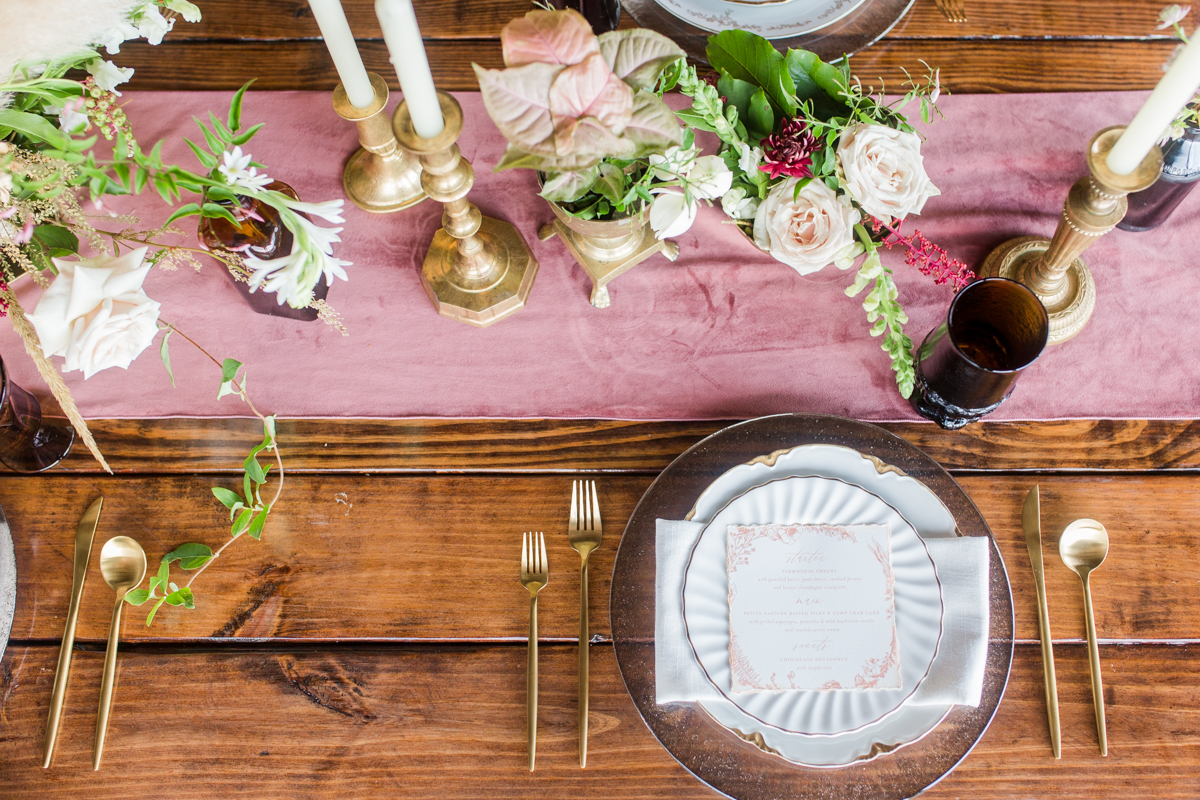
(589, 89)
(548, 37)
(516, 158)
(654, 126)
(567, 187)
(518, 101)
(590, 138)
(638, 56)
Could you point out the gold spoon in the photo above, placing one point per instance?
(123, 565)
(1083, 547)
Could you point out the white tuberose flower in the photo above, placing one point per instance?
(114, 37)
(188, 11)
(882, 169)
(671, 214)
(238, 172)
(108, 75)
(150, 22)
(809, 232)
(1172, 15)
(294, 276)
(96, 313)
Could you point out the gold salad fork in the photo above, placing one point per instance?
(952, 10)
(585, 532)
(535, 573)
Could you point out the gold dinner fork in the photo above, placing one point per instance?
(952, 10)
(586, 532)
(535, 573)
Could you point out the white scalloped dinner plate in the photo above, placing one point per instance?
(813, 500)
(771, 20)
(917, 504)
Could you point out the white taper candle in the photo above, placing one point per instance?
(407, 53)
(340, 41)
(1176, 88)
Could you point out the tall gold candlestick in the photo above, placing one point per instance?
(478, 270)
(380, 177)
(1052, 268)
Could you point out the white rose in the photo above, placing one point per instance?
(96, 314)
(737, 203)
(709, 178)
(882, 169)
(671, 214)
(810, 232)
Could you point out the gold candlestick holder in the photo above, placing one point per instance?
(380, 177)
(478, 270)
(1052, 268)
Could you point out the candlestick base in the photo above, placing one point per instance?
(380, 177)
(1052, 268)
(478, 270)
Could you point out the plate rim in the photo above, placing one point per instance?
(941, 603)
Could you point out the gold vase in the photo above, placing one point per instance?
(607, 248)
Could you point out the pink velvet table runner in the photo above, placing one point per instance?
(723, 332)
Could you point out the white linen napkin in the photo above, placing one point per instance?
(956, 677)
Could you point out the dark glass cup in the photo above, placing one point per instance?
(968, 366)
(27, 444)
(1150, 207)
(602, 14)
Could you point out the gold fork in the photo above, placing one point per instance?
(586, 532)
(952, 10)
(535, 573)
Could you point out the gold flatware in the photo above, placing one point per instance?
(1083, 547)
(123, 565)
(1031, 520)
(85, 533)
(535, 574)
(586, 533)
(952, 10)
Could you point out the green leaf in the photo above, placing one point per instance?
(269, 428)
(222, 131)
(761, 120)
(214, 144)
(192, 555)
(207, 160)
(239, 525)
(752, 58)
(153, 611)
(610, 183)
(256, 527)
(235, 106)
(227, 498)
(737, 93)
(164, 574)
(137, 597)
(35, 127)
(254, 470)
(242, 138)
(218, 211)
(229, 369)
(165, 355)
(180, 597)
(57, 240)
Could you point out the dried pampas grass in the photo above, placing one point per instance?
(41, 30)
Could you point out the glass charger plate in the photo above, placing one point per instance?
(859, 27)
(8, 582)
(773, 19)
(733, 765)
(813, 500)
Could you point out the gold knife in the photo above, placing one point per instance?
(1031, 520)
(84, 535)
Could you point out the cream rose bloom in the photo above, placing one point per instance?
(96, 314)
(810, 232)
(882, 169)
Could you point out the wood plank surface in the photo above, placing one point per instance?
(449, 723)
(424, 445)
(483, 19)
(436, 557)
(967, 66)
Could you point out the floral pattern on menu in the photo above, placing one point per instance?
(812, 607)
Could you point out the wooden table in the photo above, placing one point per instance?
(373, 643)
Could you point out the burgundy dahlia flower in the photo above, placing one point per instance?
(789, 152)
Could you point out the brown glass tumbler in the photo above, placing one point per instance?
(27, 444)
(968, 366)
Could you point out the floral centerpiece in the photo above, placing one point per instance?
(822, 172)
(55, 185)
(587, 112)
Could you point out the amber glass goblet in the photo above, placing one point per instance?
(969, 365)
(27, 444)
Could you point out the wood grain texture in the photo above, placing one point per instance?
(449, 723)
(436, 557)
(483, 19)
(425, 445)
(967, 66)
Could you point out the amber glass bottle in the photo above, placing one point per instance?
(262, 235)
(1150, 208)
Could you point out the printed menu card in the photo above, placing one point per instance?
(811, 607)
